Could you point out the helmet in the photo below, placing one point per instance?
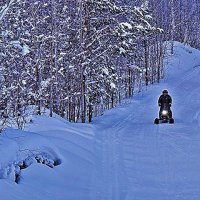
(165, 91)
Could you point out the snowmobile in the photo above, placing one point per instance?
(164, 116)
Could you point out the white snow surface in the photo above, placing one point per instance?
(122, 155)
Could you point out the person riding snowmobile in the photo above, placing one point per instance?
(165, 99)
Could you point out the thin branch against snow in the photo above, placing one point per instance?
(5, 9)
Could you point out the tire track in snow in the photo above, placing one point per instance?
(169, 149)
(111, 162)
(147, 153)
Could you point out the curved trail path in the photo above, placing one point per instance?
(137, 160)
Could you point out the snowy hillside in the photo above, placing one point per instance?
(122, 155)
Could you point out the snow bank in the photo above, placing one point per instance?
(185, 58)
(20, 149)
(9, 156)
(46, 141)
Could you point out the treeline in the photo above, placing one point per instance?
(180, 20)
(75, 57)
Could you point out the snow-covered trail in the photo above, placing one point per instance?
(136, 159)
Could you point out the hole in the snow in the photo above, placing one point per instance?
(43, 158)
(57, 162)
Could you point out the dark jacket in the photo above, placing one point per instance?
(164, 100)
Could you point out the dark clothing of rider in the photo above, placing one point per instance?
(165, 99)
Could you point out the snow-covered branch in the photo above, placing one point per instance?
(5, 9)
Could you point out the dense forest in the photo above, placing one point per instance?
(80, 57)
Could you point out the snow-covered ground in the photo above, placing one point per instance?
(122, 155)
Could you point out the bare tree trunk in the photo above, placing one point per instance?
(90, 112)
(85, 28)
(173, 26)
(37, 74)
(83, 102)
(146, 62)
(129, 82)
(51, 102)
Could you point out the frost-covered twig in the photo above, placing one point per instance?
(5, 9)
